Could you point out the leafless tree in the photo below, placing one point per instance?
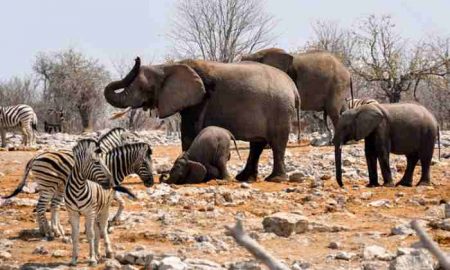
(220, 30)
(19, 91)
(74, 82)
(385, 58)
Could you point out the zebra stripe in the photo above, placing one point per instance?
(51, 170)
(355, 103)
(87, 198)
(112, 139)
(16, 116)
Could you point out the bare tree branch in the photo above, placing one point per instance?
(243, 239)
(429, 244)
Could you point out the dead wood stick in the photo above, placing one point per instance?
(429, 244)
(244, 240)
(117, 115)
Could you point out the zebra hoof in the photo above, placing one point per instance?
(109, 255)
(92, 263)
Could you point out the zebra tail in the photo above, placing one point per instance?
(351, 89)
(23, 182)
(125, 190)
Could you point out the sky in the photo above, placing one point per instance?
(113, 30)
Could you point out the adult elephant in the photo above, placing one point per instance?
(254, 102)
(322, 80)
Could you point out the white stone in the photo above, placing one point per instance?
(402, 229)
(172, 263)
(376, 252)
(111, 264)
(418, 259)
(284, 224)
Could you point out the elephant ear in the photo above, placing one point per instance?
(196, 173)
(280, 60)
(366, 120)
(182, 88)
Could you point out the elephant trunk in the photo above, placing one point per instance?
(120, 99)
(338, 162)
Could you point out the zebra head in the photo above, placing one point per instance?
(145, 170)
(87, 159)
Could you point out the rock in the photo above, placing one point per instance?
(172, 263)
(366, 195)
(40, 250)
(348, 161)
(417, 259)
(379, 203)
(284, 224)
(376, 265)
(245, 185)
(129, 267)
(200, 264)
(346, 256)
(442, 224)
(376, 252)
(58, 253)
(402, 229)
(246, 265)
(334, 245)
(300, 265)
(447, 210)
(137, 257)
(112, 264)
(298, 177)
(5, 255)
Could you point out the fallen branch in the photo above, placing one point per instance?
(120, 114)
(244, 240)
(429, 244)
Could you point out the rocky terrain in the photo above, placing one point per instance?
(307, 223)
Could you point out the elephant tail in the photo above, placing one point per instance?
(439, 142)
(235, 146)
(299, 125)
(351, 90)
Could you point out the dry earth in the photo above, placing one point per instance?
(188, 221)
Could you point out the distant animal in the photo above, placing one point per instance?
(55, 121)
(254, 102)
(173, 125)
(90, 199)
(51, 169)
(323, 82)
(351, 104)
(205, 159)
(402, 129)
(19, 116)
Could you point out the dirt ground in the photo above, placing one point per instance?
(365, 224)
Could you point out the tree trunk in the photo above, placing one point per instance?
(87, 120)
(394, 97)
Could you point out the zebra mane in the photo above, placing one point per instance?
(131, 146)
(107, 134)
(84, 144)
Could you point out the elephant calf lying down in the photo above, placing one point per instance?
(402, 129)
(205, 159)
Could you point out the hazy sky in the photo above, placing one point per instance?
(115, 29)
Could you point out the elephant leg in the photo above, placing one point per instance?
(279, 171)
(325, 122)
(371, 159)
(407, 178)
(3, 134)
(383, 158)
(425, 162)
(250, 171)
(212, 172)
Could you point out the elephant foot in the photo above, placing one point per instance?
(277, 178)
(246, 177)
(405, 183)
(371, 185)
(424, 183)
(388, 184)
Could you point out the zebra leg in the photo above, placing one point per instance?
(97, 239)
(74, 218)
(24, 136)
(90, 222)
(41, 207)
(103, 222)
(56, 203)
(3, 133)
(120, 200)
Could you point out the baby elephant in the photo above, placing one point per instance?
(406, 129)
(205, 159)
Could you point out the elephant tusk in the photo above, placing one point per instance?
(120, 114)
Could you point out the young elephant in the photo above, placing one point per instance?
(406, 129)
(205, 159)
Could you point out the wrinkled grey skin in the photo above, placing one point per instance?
(402, 129)
(323, 82)
(245, 98)
(206, 159)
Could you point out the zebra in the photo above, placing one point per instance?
(22, 116)
(55, 121)
(173, 125)
(113, 138)
(90, 199)
(51, 170)
(350, 104)
(355, 103)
